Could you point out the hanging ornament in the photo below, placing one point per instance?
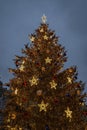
(39, 92)
(43, 106)
(78, 92)
(70, 70)
(48, 60)
(82, 103)
(25, 83)
(53, 84)
(33, 81)
(17, 63)
(56, 101)
(47, 51)
(68, 113)
(22, 66)
(69, 80)
(13, 116)
(43, 69)
(16, 91)
(44, 19)
(45, 37)
(67, 95)
(23, 62)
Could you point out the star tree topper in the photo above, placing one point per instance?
(43, 106)
(44, 19)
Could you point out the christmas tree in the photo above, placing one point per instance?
(43, 95)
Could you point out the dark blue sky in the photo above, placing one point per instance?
(68, 18)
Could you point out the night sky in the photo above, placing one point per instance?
(19, 18)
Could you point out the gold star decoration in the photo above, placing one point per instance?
(33, 81)
(32, 38)
(44, 19)
(68, 113)
(48, 60)
(16, 91)
(45, 37)
(21, 68)
(43, 106)
(53, 84)
(23, 62)
(41, 30)
(69, 80)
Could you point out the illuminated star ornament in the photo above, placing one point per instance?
(32, 38)
(33, 81)
(21, 68)
(69, 80)
(43, 106)
(44, 19)
(68, 113)
(48, 60)
(53, 84)
(45, 37)
(41, 30)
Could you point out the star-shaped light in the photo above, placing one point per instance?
(21, 68)
(41, 30)
(43, 106)
(48, 60)
(33, 81)
(32, 38)
(23, 62)
(69, 80)
(44, 19)
(68, 113)
(16, 91)
(45, 37)
(53, 84)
